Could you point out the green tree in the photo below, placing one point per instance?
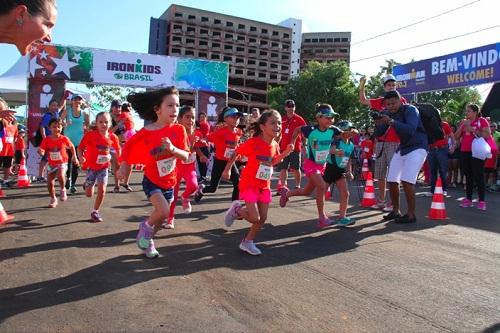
(330, 83)
(106, 94)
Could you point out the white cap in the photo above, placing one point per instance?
(389, 77)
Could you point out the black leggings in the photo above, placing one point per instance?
(202, 167)
(72, 172)
(474, 174)
(216, 175)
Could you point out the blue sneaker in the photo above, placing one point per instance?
(151, 251)
(345, 221)
(144, 236)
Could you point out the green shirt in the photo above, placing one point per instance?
(319, 142)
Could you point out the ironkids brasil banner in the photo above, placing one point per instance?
(126, 68)
(461, 69)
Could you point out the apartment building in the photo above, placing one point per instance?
(325, 47)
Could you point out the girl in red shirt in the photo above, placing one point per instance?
(262, 151)
(94, 151)
(186, 170)
(203, 131)
(225, 139)
(8, 149)
(56, 146)
(158, 146)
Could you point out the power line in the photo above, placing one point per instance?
(425, 44)
(415, 23)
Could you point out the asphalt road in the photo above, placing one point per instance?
(60, 273)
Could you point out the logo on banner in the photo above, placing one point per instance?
(133, 72)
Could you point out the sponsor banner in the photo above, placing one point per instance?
(196, 74)
(132, 69)
(211, 104)
(470, 67)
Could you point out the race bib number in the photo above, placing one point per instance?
(102, 159)
(367, 149)
(9, 139)
(344, 162)
(229, 152)
(55, 156)
(321, 155)
(166, 166)
(264, 172)
(286, 131)
(191, 159)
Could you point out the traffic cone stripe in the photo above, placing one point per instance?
(438, 190)
(22, 176)
(438, 210)
(437, 205)
(369, 194)
(369, 182)
(4, 217)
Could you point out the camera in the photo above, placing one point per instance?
(376, 115)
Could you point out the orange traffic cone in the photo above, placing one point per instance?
(22, 175)
(437, 210)
(4, 217)
(364, 169)
(328, 193)
(2, 193)
(369, 194)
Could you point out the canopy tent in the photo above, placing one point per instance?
(13, 84)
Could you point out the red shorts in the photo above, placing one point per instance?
(254, 195)
(311, 168)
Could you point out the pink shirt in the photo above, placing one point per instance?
(467, 138)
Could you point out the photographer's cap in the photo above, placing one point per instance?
(233, 112)
(326, 111)
(389, 77)
(290, 103)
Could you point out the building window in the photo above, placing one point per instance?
(215, 45)
(285, 35)
(216, 33)
(229, 36)
(189, 53)
(263, 53)
(177, 39)
(204, 31)
(240, 49)
(264, 31)
(241, 38)
(285, 57)
(274, 44)
(217, 21)
(251, 62)
(202, 54)
(176, 51)
(330, 50)
(238, 72)
(336, 40)
(273, 77)
(215, 56)
(307, 40)
(178, 14)
(251, 73)
(229, 24)
(345, 40)
(252, 40)
(314, 40)
(285, 68)
(274, 55)
(252, 51)
(189, 41)
(228, 47)
(319, 50)
(263, 64)
(204, 19)
(343, 51)
(239, 61)
(228, 58)
(191, 17)
(329, 40)
(203, 42)
(274, 66)
(241, 26)
(191, 29)
(276, 33)
(322, 40)
(177, 26)
(253, 29)
(262, 75)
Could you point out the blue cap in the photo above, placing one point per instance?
(233, 112)
(326, 111)
(116, 103)
(75, 96)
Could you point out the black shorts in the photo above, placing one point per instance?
(291, 162)
(333, 173)
(18, 155)
(6, 161)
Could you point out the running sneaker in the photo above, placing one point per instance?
(249, 247)
(231, 213)
(53, 202)
(428, 194)
(186, 206)
(127, 187)
(284, 197)
(151, 251)
(345, 221)
(72, 189)
(199, 193)
(391, 216)
(466, 203)
(324, 222)
(144, 235)
(63, 196)
(481, 205)
(379, 205)
(387, 207)
(168, 223)
(95, 216)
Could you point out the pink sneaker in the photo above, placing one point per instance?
(53, 202)
(324, 222)
(481, 205)
(63, 196)
(466, 203)
(186, 206)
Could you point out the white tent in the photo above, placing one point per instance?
(13, 84)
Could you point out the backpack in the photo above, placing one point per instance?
(431, 120)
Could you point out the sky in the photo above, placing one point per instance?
(124, 25)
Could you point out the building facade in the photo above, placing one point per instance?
(325, 47)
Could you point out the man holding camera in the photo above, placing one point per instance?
(409, 156)
(387, 142)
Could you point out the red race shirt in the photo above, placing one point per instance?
(288, 126)
(20, 144)
(366, 149)
(444, 141)
(204, 128)
(225, 142)
(97, 149)
(201, 139)
(127, 119)
(56, 149)
(259, 169)
(467, 138)
(146, 147)
(10, 134)
(378, 105)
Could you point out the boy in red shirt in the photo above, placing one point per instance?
(19, 147)
(7, 153)
(56, 146)
(95, 153)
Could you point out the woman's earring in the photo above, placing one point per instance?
(19, 21)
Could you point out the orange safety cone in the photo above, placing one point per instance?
(22, 175)
(328, 193)
(369, 194)
(438, 210)
(364, 169)
(2, 193)
(4, 217)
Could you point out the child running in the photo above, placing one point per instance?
(57, 145)
(262, 151)
(319, 139)
(157, 146)
(338, 168)
(186, 170)
(226, 140)
(94, 152)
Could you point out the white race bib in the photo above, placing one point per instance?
(165, 166)
(191, 159)
(9, 139)
(102, 159)
(229, 152)
(367, 149)
(286, 130)
(264, 172)
(321, 156)
(55, 156)
(344, 162)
